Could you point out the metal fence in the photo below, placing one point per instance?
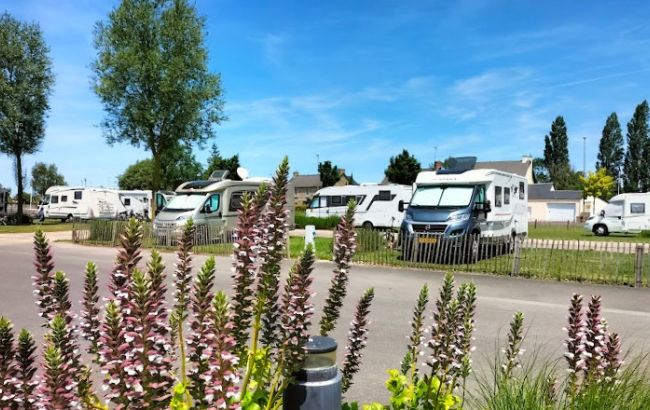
(207, 238)
(621, 263)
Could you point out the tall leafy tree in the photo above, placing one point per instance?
(635, 167)
(610, 149)
(556, 154)
(25, 84)
(403, 168)
(329, 174)
(151, 74)
(217, 162)
(45, 176)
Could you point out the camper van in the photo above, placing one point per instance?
(453, 203)
(66, 202)
(625, 213)
(211, 203)
(377, 205)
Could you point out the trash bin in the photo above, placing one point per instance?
(317, 385)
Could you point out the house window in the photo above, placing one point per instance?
(497, 196)
(637, 208)
(54, 199)
(77, 194)
(506, 196)
(522, 190)
(64, 198)
(336, 201)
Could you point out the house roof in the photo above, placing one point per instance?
(547, 192)
(513, 167)
(306, 181)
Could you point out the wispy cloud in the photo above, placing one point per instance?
(273, 49)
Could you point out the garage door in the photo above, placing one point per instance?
(561, 212)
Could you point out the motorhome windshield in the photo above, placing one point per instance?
(442, 196)
(185, 202)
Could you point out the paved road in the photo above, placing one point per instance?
(544, 304)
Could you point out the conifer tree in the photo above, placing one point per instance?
(556, 154)
(610, 149)
(635, 168)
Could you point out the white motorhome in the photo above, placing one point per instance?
(66, 202)
(450, 204)
(211, 203)
(377, 205)
(625, 213)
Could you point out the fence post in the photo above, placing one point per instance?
(638, 266)
(516, 260)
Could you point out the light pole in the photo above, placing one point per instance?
(584, 156)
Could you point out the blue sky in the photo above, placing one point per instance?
(355, 82)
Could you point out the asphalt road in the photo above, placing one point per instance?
(543, 303)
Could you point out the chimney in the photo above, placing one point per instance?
(296, 173)
(526, 158)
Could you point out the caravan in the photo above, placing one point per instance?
(212, 204)
(377, 205)
(625, 213)
(65, 203)
(459, 202)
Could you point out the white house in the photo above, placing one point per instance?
(546, 204)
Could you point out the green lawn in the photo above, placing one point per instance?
(578, 233)
(47, 226)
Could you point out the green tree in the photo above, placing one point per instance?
(217, 162)
(25, 84)
(329, 174)
(137, 176)
(556, 154)
(599, 184)
(403, 168)
(635, 166)
(151, 74)
(610, 149)
(540, 172)
(45, 176)
(178, 166)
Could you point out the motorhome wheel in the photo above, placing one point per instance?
(600, 230)
(367, 225)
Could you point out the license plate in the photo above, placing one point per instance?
(431, 241)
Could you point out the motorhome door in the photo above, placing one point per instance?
(636, 216)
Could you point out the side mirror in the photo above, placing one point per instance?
(206, 208)
(487, 207)
(602, 213)
(400, 206)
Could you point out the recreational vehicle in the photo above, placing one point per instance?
(625, 213)
(211, 203)
(377, 205)
(450, 205)
(65, 203)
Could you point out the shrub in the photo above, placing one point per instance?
(320, 223)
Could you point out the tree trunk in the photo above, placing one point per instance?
(155, 183)
(19, 184)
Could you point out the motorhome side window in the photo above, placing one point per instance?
(522, 190)
(77, 194)
(54, 199)
(637, 208)
(127, 201)
(64, 198)
(384, 196)
(506, 196)
(335, 201)
(497, 196)
(235, 200)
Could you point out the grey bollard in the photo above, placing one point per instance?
(317, 386)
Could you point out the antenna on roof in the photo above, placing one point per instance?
(242, 172)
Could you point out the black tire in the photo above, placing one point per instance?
(367, 225)
(600, 230)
